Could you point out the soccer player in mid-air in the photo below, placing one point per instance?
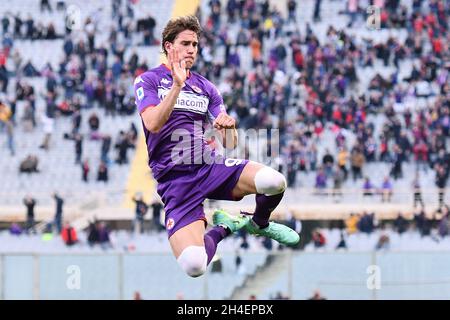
(172, 101)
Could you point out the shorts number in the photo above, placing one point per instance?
(232, 162)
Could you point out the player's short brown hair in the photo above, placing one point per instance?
(177, 25)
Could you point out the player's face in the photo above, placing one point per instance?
(186, 43)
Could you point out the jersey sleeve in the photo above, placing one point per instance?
(216, 105)
(146, 91)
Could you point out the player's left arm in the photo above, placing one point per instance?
(224, 124)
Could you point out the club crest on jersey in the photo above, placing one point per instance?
(196, 89)
(165, 81)
(170, 224)
(140, 93)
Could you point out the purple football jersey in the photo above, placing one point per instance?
(199, 102)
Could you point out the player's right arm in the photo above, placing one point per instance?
(155, 117)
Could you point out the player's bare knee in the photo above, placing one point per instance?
(270, 182)
(193, 260)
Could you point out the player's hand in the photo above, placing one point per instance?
(224, 121)
(179, 73)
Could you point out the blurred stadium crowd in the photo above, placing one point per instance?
(343, 96)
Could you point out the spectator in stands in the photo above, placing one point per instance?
(321, 182)
(51, 32)
(367, 222)
(443, 224)
(69, 235)
(342, 243)
(417, 192)
(316, 15)
(5, 23)
(103, 235)
(106, 146)
(237, 260)
(132, 135)
(280, 296)
(401, 225)
(244, 243)
(65, 108)
(30, 27)
(292, 6)
(29, 70)
(386, 190)
(292, 167)
(45, 5)
(76, 121)
(94, 124)
(342, 159)
(18, 26)
(338, 179)
(28, 120)
(15, 229)
(383, 242)
(48, 119)
(157, 208)
(137, 296)
(10, 138)
(147, 26)
(68, 46)
(93, 235)
(357, 159)
(420, 150)
(442, 174)
(110, 100)
(397, 161)
(327, 162)
(140, 212)
(58, 212)
(318, 239)
(122, 146)
(29, 164)
(352, 9)
(13, 107)
(29, 203)
(6, 120)
(267, 243)
(85, 170)
(442, 158)
(252, 297)
(78, 147)
(368, 187)
(423, 224)
(102, 172)
(317, 296)
(39, 31)
(351, 223)
(5, 113)
(4, 73)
